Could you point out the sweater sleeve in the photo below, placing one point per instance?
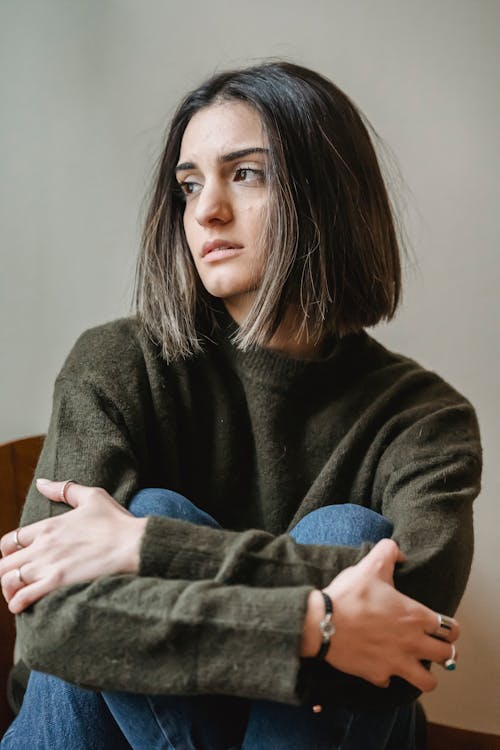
(426, 482)
(197, 628)
(207, 603)
(145, 633)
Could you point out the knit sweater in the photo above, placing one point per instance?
(258, 440)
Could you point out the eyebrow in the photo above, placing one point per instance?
(231, 156)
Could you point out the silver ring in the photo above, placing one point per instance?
(444, 627)
(16, 539)
(65, 486)
(20, 575)
(450, 664)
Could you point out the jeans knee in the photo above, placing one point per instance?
(157, 501)
(346, 524)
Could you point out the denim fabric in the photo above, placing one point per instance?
(56, 715)
(347, 524)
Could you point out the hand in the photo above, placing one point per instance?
(98, 537)
(379, 631)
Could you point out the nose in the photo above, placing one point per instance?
(213, 205)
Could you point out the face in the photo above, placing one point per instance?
(222, 172)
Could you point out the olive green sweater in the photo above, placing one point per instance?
(257, 440)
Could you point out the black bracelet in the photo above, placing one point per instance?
(326, 626)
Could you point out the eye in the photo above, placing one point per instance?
(189, 187)
(249, 174)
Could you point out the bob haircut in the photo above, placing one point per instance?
(332, 253)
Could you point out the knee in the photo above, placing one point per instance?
(156, 501)
(346, 524)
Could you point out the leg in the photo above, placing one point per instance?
(347, 524)
(168, 722)
(277, 726)
(282, 727)
(160, 502)
(56, 716)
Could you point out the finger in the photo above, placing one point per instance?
(415, 673)
(28, 595)
(11, 583)
(13, 561)
(68, 492)
(11, 542)
(382, 558)
(383, 683)
(437, 650)
(442, 627)
(13, 558)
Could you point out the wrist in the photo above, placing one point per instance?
(137, 527)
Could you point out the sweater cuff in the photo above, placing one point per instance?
(259, 631)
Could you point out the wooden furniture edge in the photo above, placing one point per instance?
(441, 737)
(18, 459)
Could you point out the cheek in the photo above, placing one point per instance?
(257, 218)
(189, 226)
(186, 220)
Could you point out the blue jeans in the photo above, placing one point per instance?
(59, 716)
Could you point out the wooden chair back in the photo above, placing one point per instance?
(17, 465)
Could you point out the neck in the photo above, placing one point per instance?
(289, 342)
(290, 339)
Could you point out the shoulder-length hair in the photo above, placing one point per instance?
(330, 239)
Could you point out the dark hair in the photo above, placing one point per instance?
(332, 249)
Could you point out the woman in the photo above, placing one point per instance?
(291, 445)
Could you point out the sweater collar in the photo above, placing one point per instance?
(273, 368)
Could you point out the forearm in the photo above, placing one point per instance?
(153, 636)
(177, 549)
(438, 539)
(147, 635)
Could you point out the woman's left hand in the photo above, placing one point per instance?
(98, 537)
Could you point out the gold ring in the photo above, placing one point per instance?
(16, 539)
(65, 486)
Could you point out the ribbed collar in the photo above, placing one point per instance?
(272, 368)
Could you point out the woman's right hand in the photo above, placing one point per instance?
(98, 537)
(379, 632)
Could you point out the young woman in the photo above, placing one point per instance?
(279, 466)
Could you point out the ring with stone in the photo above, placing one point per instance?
(451, 664)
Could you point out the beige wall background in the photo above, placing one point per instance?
(85, 92)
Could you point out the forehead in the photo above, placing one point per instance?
(220, 129)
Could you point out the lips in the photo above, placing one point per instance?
(213, 245)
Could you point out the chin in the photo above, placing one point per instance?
(227, 288)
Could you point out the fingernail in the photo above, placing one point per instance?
(42, 482)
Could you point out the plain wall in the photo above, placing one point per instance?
(86, 90)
